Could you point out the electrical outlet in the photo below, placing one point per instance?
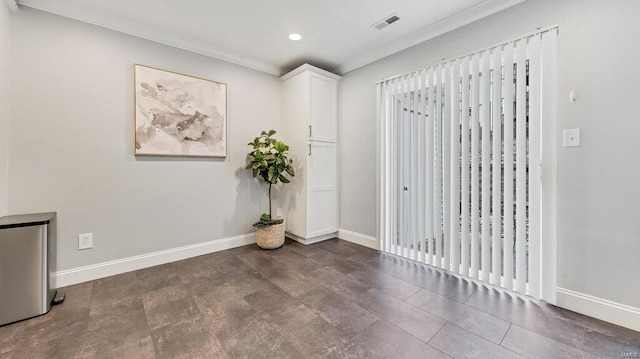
(278, 212)
(85, 241)
(571, 137)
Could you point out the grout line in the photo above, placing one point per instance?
(421, 340)
(404, 270)
(218, 339)
(424, 310)
(509, 349)
(521, 308)
(472, 294)
(413, 295)
(440, 351)
(505, 334)
(465, 302)
(487, 340)
(439, 330)
(353, 301)
(93, 291)
(285, 337)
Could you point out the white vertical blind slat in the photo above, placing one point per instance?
(534, 167)
(414, 167)
(425, 187)
(410, 169)
(548, 108)
(429, 165)
(446, 166)
(496, 121)
(420, 165)
(389, 163)
(396, 165)
(380, 113)
(475, 166)
(485, 118)
(402, 219)
(389, 211)
(438, 163)
(455, 167)
(521, 167)
(388, 172)
(401, 211)
(508, 167)
(406, 141)
(466, 173)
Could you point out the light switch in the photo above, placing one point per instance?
(571, 137)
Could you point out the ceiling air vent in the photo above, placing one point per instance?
(386, 21)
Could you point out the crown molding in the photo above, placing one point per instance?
(453, 22)
(115, 23)
(312, 68)
(12, 6)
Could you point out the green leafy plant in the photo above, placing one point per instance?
(269, 161)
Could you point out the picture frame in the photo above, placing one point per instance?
(178, 114)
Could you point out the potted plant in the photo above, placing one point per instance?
(269, 161)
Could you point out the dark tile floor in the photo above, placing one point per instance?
(333, 299)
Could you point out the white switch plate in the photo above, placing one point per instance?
(571, 137)
(278, 212)
(85, 241)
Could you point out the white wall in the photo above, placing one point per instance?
(598, 183)
(5, 23)
(71, 143)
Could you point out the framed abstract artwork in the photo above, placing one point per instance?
(179, 115)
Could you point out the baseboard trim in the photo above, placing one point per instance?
(358, 238)
(316, 239)
(616, 313)
(105, 269)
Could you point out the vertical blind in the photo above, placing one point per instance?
(460, 162)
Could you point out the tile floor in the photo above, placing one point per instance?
(329, 300)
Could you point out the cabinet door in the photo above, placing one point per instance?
(322, 215)
(323, 109)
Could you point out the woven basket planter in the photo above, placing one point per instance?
(270, 237)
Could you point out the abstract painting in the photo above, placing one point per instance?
(179, 115)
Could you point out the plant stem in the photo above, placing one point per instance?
(270, 202)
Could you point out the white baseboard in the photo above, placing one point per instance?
(313, 240)
(105, 269)
(616, 313)
(358, 238)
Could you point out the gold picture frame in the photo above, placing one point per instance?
(178, 114)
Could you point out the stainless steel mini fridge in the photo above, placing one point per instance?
(27, 262)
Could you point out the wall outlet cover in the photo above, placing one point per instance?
(85, 241)
(571, 137)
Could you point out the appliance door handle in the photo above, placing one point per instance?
(309, 131)
(309, 150)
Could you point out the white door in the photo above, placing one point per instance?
(408, 190)
(321, 189)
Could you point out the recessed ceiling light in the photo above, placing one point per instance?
(295, 37)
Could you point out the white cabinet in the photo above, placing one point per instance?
(310, 202)
(324, 108)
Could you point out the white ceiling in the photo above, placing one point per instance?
(337, 34)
